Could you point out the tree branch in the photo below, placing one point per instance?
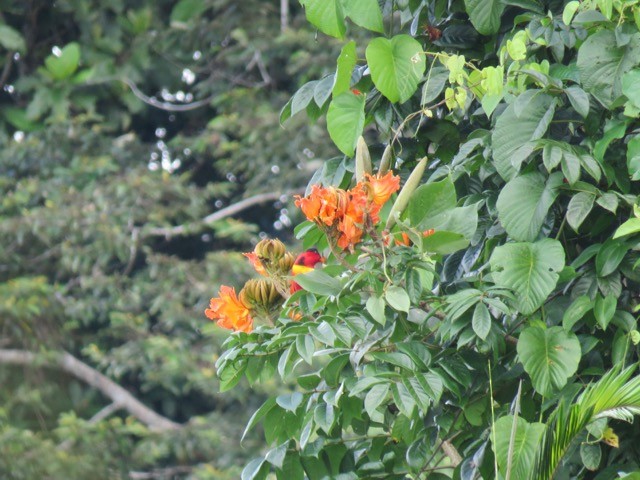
(160, 473)
(121, 398)
(216, 216)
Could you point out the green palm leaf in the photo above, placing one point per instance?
(613, 396)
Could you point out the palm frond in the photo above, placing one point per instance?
(613, 396)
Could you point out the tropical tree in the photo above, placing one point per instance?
(480, 322)
(139, 142)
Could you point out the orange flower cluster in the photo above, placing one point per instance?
(346, 211)
(229, 311)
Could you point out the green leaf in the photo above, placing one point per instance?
(608, 201)
(290, 401)
(291, 468)
(485, 15)
(324, 416)
(434, 85)
(254, 469)
(627, 228)
(531, 270)
(514, 133)
(305, 347)
(403, 399)
(365, 13)
(65, 64)
(602, 64)
(524, 202)
(613, 130)
(579, 100)
(481, 322)
(609, 256)
(11, 39)
(569, 11)
(430, 200)
(258, 415)
(326, 15)
(579, 207)
(375, 307)
(576, 311)
(526, 441)
(319, 283)
(302, 97)
(185, 10)
(631, 86)
(345, 120)
(375, 397)
(444, 243)
(346, 62)
(590, 455)
(397, 298)
(396, 65)
(276, 455)
(604, 309)
(633, 157)
(550, 356)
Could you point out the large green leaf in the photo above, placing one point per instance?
(345, 120)
(365, 13)
(346, 62)
(319, 283)
(485, 15)
(431, 199)
(550, 356)
(326, 15)
(524, 202)
(529, 269)
(523, 121)
(396, 65)
(526, 438)
(603, 63)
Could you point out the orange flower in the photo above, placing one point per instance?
(403, 241)
(229, 311)
(323, 205)
(381, 188)
(428, 233)
(310, 205)
(256, 262)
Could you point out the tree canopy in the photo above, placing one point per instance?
(481, 323)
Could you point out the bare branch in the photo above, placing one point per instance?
(160, 473)
(284, 15)
(70, 364)
(216, 216)
(169, 107)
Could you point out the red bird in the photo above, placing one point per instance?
(305, 262)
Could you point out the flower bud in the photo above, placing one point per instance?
(363, 160)
(285, 264)
(405, 194)
(270, 249)
(261, 296)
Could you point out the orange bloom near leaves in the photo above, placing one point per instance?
(256, 262)
(381, 188)
(229, 311)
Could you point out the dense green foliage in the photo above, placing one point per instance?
(467, 353)
(118, 121)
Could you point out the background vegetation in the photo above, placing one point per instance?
(123, 125)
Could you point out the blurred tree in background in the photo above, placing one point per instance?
(140, 141)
